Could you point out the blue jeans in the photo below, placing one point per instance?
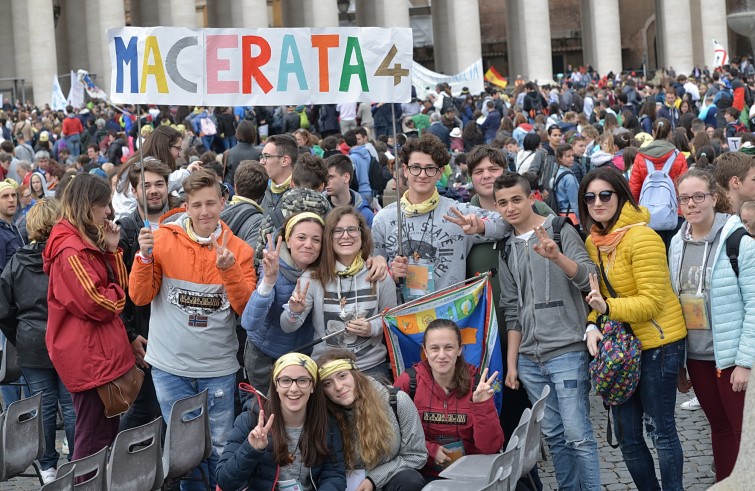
(74, 144)
(207, 142)
(652, 405)
(170, 388)
(566, 424)
(229, 142)
(47, 381)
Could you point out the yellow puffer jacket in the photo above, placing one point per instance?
(640, 276)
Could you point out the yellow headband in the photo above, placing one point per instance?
(297, 359)
(335, 366)
(298, 218)
(8, 184)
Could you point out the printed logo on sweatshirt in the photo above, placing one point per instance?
(201, 303)
(444, 419)
(442, 251)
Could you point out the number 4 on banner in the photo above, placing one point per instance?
(397, 72)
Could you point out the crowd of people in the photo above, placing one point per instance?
(210, 246)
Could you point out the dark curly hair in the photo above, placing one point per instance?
(429, 144)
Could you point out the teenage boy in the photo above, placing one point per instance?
(243, 215)
(545, 314)
(278, 157)
(198, 277)
(566, 185)
(338, 192)
(733, 126)
(735, 172)
(581, 161)
(434, 228)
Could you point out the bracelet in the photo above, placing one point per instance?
(142, 259)
(590, 327)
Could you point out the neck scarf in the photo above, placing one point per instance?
(607, 244)
(240, 199)
(356, 266)
(196, 238)
(423, 208)
(280, 188)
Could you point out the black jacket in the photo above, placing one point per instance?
(10, 242)
(23, 306)
(242, 151)
(136, 319)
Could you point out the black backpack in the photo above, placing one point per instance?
(239, 219)
(732, 248)
(577, 104)
(379, 176)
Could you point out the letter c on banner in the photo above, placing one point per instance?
(172, 63)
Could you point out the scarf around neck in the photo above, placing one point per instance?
(280, 188)
(420, 208)
(607, 244)
(356, 266)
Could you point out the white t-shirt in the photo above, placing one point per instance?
(347, 111)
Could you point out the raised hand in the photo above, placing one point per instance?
(470, 224)
(270, 256)
(258, 436)
(546, 247)
(225, 258)
(112, 235)
(484, 390)
(595, 299)
(146, 242)
(298, 301)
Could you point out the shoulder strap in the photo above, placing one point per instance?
(732, 248)
(610, 289)
(669, 162)
(557, 224)
(412, 381)
(650, 166)
(240, 218)
(393, 400)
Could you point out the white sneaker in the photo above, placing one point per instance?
(48, 475)
(691, 405)
(64, 446)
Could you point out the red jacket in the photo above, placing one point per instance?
(86, 338)
(476, 425)
(657, 152)
(72, 126)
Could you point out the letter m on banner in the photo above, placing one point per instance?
(471, 306)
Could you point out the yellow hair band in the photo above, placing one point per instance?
(335, 366)
(298, 218)
(295, 359)
(8, 184)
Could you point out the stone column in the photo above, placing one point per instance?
(601, 35)
(250, 13)
(713, 24)
(456, 34)
(77, 34)
(43, 57)
(382, 13)
(7, 54)
(183, 13)
(149, 14)
(529, 39)
(674, 28)
(94, 63)
(305, 13)
(111, 15)
(21, 42)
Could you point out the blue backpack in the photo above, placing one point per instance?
(658, 195)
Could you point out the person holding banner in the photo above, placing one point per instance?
(458, 417)
(382, 433)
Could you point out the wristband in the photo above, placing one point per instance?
(590, 327)
(142, 259)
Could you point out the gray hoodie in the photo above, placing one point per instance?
(539, 300)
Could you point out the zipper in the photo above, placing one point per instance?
(532, 287)
(660, 330)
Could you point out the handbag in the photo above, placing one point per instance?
(118, 395)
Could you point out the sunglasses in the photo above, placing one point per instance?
(604, 196)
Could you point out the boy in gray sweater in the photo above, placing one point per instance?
(545, 314)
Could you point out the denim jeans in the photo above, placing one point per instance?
(170, 388)
(207, 141)
(652, 405)
(74, 144)
(566, 424)
(47, 381)
(229, 142)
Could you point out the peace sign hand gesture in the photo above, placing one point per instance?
(484, 390)
(258, 436)
(595, 298)
(225, 258)
(270, 257)
(298, 301)
(470, 224)
(546, 247)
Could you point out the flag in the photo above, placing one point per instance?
(720, 56)
(76, 94)
(92, 89)
(495, 78)
(58, 100)
(471, 306)
(196, 320)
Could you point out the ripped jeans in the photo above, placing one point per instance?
(651, 408)
(170, 388)
(566, 424)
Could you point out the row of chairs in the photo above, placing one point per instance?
(499, 472)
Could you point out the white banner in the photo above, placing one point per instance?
(249, 67)
(58, 102)
(425, 80)
(76, 94)
(720, 56)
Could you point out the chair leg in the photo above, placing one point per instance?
(205, 478)
(532, 481)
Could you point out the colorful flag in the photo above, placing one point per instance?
(58, 100)
(720, 56)
(471, 306)
(495, 78)
(76, 94)
(91, 88)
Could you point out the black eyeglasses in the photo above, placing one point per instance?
(604, 196)
(350, 231)
(697, 198)
(266, 156)
(416, 170)
(301, 382)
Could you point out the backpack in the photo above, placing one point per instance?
(303, 119)
(577, 104)
(733, 242)
(377, 176)
(207, 126)
(130, 231)
(552, 200)
(239, 219)
(658, 195)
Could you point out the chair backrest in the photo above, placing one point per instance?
(187, 440)
(96, 463)
(507, 462)
(9, 369)
(516, 447)
(532, 445)
(64, 481)
(136, 459)
(23, 439)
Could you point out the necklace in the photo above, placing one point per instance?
(343, 299)
(414, 245)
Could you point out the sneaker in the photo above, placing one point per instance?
(48, 475)
(64, 447)
(691, 405)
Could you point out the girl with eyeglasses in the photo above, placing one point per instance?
(287, 441)
(721, 341)
(339, 296)
(632, 259)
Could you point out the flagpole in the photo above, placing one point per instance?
(141, 162)
(399, 224)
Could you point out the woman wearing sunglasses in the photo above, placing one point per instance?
(721, 343)
(632, 259)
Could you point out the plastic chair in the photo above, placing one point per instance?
(9, 369)
(136, 459)
(534, 438)
(96, 463)
(22, 438)
(63, 482)
(516, 446)
(187, 440)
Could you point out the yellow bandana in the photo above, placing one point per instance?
(298, 359)
(280, 188)
(240, 199)
(298, 218)
(421, 208)
(8, 184)
(335, 366)
(356, 266)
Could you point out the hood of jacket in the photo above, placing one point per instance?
(600, 158)
(64, 235)
(658, 150)
(361, 151)
(30, 257)
(718, 223)
(425, 377)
